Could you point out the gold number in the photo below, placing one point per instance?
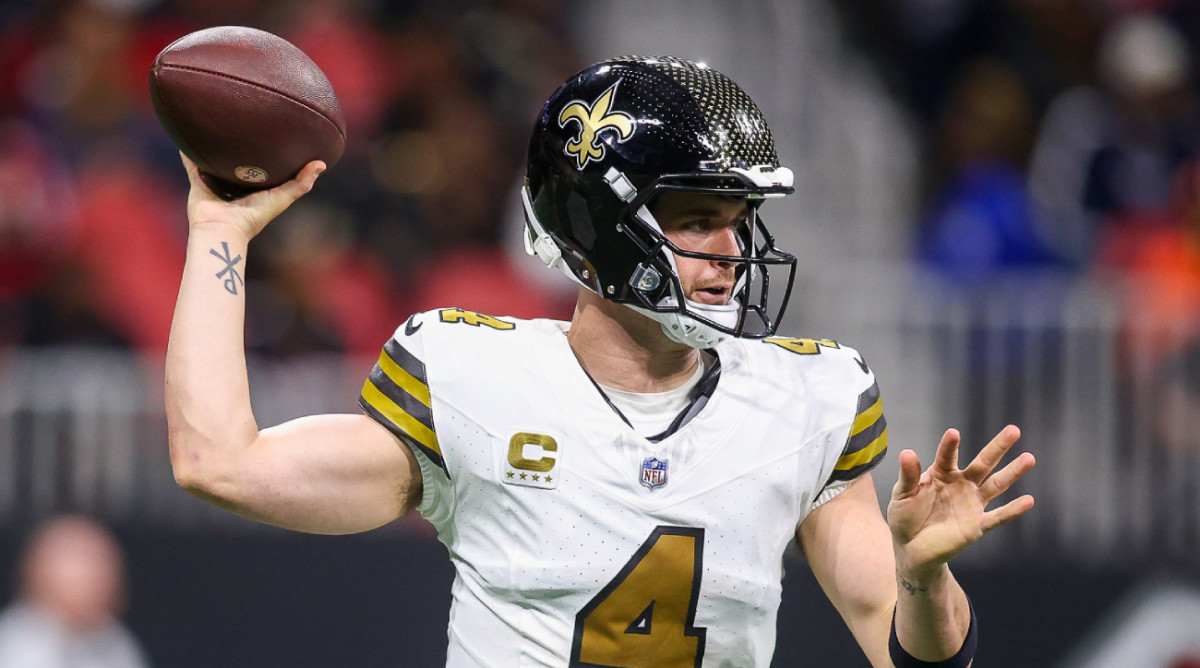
(802, 346)
(474, 319)
(645, 616)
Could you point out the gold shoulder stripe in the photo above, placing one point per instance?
(864, 456)
(401, 420)
(868, 439)
(868, 417)
(403, 379)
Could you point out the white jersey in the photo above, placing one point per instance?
(578, 542)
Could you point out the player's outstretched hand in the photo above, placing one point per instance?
(250, 214)
(936, 514)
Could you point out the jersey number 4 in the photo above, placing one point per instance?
(645, 616)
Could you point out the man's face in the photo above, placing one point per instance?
(707, 224)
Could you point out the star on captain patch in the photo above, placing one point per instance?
(654, 472)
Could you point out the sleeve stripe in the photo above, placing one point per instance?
(868, 438)
(414, 366)
(851, 474)
(865, 439)
(399, 421)
(404, 400)
(409, 440)
(402, 379)
(874, 449)
(868, 417)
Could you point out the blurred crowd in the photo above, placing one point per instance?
(1061, 138)
(438, 99)
(1055, 136)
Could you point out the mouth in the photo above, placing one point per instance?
(713, 294)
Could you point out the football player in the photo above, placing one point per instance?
(617, 490)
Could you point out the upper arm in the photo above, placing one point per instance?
(849, 549)
(328, 474)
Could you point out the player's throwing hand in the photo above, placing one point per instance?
(250, 214)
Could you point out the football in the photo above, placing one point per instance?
(248, 107)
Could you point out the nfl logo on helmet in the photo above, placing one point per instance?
(654, 472)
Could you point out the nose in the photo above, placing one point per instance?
(724, 242)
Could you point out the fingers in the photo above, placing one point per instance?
(281, 196)
(946, 459)
(252, 212)
(193, 174)
(910, 475)
(1006, 513)
(991, 454)
(1003, 479)
(274, 201)
(304, 180)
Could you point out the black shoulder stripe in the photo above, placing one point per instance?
(435, 456)
(411, 400)
(406, 360)
(397, 395)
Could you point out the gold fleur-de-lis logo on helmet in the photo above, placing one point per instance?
(593, 119)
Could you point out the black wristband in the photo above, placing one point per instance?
(902, 659)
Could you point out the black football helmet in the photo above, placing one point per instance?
(612, 138)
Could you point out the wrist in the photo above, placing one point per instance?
(207, 231)
(221, 249)
(917, 578)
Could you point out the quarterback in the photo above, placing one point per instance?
(617, 490)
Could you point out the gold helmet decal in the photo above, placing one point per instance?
(593, 119)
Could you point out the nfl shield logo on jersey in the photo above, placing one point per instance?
(654, 472)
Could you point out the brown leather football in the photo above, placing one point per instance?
(248, 107)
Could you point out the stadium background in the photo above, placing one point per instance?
(996, 204)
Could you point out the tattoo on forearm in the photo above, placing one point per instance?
(909, 587)
(234, 277)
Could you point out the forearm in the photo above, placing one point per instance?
(932, 613)
(209, 416)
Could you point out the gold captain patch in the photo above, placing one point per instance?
(533, 461)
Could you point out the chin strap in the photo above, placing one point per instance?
(683, 328)
(537, 241)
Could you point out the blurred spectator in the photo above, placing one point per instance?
(71, 591)
(980, 222)
(923, 46)
(1176, 403)
(1108, 152)
(1190, 660)
(85, 241)
(313, 290)
(1154, 258)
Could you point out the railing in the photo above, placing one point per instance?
(84, 430)
(1054, 355)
